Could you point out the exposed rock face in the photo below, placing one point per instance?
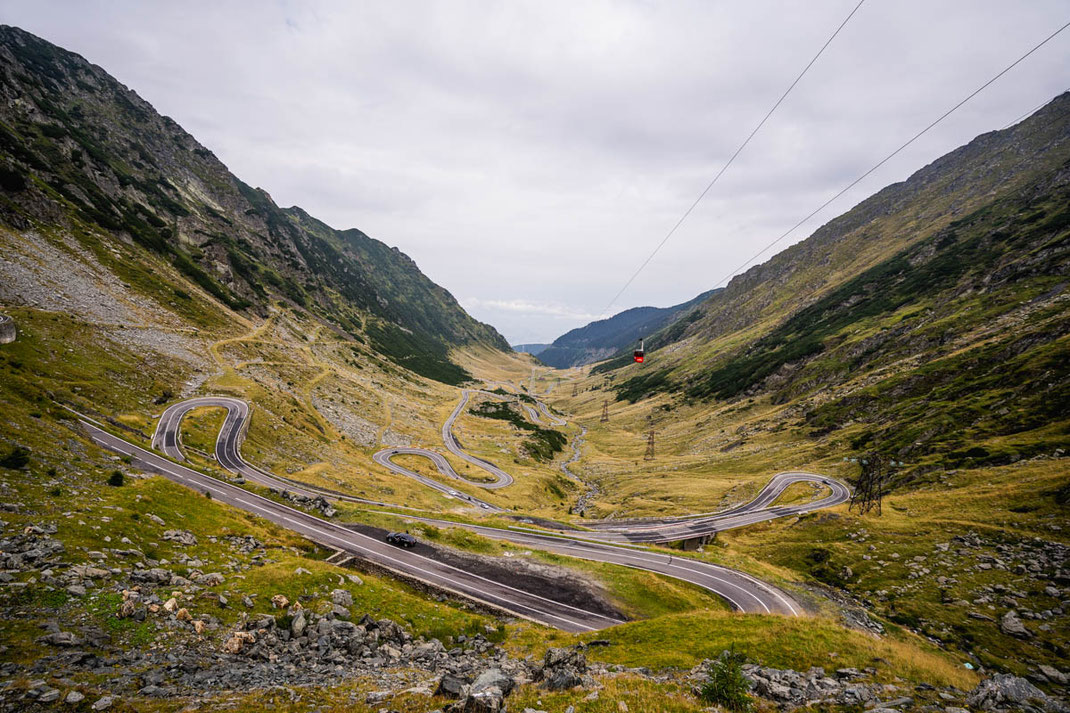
(487, 693)
(7, 329)
(319, 502)
(184, 537)
(562, 669)
(1005, 692)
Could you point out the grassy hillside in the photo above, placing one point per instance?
(954, 336)
(84, 152)
(928, 325)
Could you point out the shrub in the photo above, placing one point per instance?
(1062, 495)
(116, 478)
(727, 686)
(16, 459)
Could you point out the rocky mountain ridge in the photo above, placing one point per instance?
(928, 319)
(84, 153)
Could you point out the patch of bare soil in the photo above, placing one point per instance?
(559, 584)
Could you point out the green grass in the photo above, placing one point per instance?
(201, 427)
(541, 443)
(1005, 506)
(776, 641)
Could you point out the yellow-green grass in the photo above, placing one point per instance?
(640, 695)
(1007, 504)
(777, 641)
(201, 426)
(123, 512)
(707, 456)
(798, 493)
(59, 357)
(425, 467)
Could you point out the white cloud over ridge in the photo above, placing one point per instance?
(530, 155)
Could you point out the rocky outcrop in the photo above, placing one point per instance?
(7, 329)
(562, 669)
(857, 689)
(1005, 692)
(318, 503)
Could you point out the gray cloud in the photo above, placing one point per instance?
(529, 155)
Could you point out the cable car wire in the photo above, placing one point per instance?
(887, 158)
(1031, 111)
(733, 158)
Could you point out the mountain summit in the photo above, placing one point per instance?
(83, 150)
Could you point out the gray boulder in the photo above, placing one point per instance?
(451, 686)
(60, 638)
(1008, 692)
(493, 678)
(562, 669)
(1011, 625)
(182, 537)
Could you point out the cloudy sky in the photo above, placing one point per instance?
(530, 155)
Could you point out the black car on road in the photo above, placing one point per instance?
(401, 539)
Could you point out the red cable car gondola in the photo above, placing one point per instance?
(639, 354)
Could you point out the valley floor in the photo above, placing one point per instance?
(91, 566)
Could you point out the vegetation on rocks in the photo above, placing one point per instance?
(542, 443)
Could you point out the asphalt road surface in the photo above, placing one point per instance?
(400, 561)
(606, 541)
(383, 458)
(502, 478)
(167, 440)
(742, 591)
(695, 526)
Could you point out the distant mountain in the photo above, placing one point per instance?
(533, 349)
(608, 337)
(931, 319)
(83, 152)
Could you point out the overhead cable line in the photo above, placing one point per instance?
(730, 160)
(887, 158)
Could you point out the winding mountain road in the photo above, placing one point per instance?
(615, 542)
(502, 478)
(167, 440)
(401, 562)
(660, 530)
(742, 591)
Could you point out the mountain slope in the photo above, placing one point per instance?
(930, 322)
(83, 151)
(607, 337)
